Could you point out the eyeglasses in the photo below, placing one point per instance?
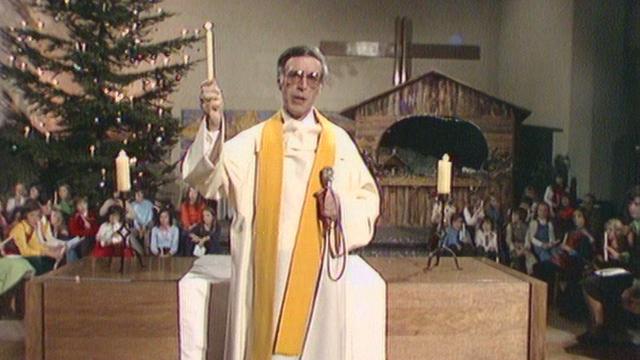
(296, 77)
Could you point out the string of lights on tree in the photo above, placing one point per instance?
(86, 81)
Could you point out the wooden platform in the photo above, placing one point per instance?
(88, 310)
(484, 311)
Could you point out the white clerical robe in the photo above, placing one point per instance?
(212, 167)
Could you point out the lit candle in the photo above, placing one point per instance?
(444, 175)
(47, 135)
(210, 65)
(123, 178)
(92, 150)
(27, 130)
(186, 59)
(40, 24)
(103, 171)
(606, 246)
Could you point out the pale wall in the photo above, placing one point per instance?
(251, 34)
(534, 63)
(565, 61)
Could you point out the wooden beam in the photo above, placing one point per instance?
(369, 49)
(443, 51)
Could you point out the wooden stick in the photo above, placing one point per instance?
(211, 70)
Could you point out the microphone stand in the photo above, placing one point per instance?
(125, 232)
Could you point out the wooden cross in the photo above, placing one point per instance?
(402, 50)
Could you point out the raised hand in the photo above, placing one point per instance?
(211, 103)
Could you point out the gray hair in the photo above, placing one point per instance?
(302, 50)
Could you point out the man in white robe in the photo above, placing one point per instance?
(230, 168)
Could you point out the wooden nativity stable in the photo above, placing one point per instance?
(407, 197)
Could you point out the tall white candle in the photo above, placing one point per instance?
(444, 175)
(123, 176)
(606, 246)
(210, 65)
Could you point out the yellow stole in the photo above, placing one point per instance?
(306, 260)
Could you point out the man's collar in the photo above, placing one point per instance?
(308, 119)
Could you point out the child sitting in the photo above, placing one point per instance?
(109, 236)
(515, 237)
(456, 237)
(487, 240)
(164, 236)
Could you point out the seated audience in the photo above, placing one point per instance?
(487, 240)
(164, 236)
(142, 211)
(62, 201)
(515, 237)
(83, 224)
(570, 261)
(204, 238)
(41, 257)
(108, 236)
(108, 203)
(593, 212)
(540, 235)
(473, 213)
(191, 210)
(617, 247)
(553, 194)
(564, 218)
(493, 210)
(457, 238)
(54, 232)
(17, 201)
(35, 194)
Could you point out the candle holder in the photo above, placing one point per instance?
(442, 248)
(125, 233)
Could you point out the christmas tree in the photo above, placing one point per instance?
(85, 81)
